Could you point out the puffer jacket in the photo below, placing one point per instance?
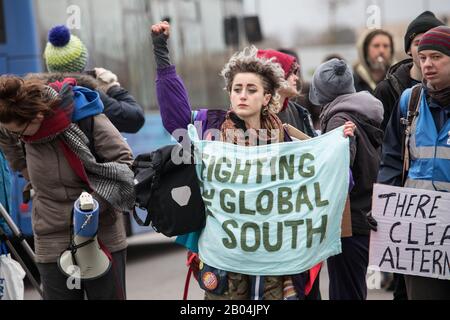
(57, 187)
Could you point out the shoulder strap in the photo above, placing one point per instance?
(140, 222)
(414, 103)
(87, 126)
(414, 100)
(409, 103)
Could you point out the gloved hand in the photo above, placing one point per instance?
(160, 34)
(106, 79)
(373, 224)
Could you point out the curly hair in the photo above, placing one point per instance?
(270, 72)
(22, 100)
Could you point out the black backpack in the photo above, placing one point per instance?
(169, 192)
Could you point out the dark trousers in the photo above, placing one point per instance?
(300, 282)
(421, 288)
(111, 286)
(347, 271)
(315, 291)
(399, 287)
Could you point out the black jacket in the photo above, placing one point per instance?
(361, 84)
(123, 110)
(388, 91)
(367, 113)
(298, 117)
(391, 167)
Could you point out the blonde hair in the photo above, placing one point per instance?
(270, 72)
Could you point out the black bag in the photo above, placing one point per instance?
(169, 192)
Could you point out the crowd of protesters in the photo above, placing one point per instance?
(43, 135)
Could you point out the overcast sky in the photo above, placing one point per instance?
(287, 15)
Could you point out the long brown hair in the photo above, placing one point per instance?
(22, 100)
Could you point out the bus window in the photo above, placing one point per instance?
(2, 23)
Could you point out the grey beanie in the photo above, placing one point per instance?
(331, 79)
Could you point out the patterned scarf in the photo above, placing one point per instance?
(111, 181)
(233, 130)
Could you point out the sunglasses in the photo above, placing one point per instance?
(20, 134)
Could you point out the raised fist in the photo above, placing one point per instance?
(162, 27)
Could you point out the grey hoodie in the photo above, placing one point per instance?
(367, 113)
(361, 103)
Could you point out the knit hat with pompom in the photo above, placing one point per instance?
(64, 51)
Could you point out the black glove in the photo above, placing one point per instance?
(160, 50)
(373, 224)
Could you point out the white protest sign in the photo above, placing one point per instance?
(413, 234)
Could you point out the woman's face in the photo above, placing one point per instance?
(247, 95)
(29, 128)
(291, 90)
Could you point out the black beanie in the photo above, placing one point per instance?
(424, 22)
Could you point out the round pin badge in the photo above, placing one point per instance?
(210, 281)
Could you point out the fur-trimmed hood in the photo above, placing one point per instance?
(83, 80)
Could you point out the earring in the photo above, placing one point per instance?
(265, 111)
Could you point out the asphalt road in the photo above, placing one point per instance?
(156, 270)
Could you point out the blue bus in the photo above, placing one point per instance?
(17, 22)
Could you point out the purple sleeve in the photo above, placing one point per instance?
(351, 184)
(173, 99)
(202, 117)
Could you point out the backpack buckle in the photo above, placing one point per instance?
(404, 121)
